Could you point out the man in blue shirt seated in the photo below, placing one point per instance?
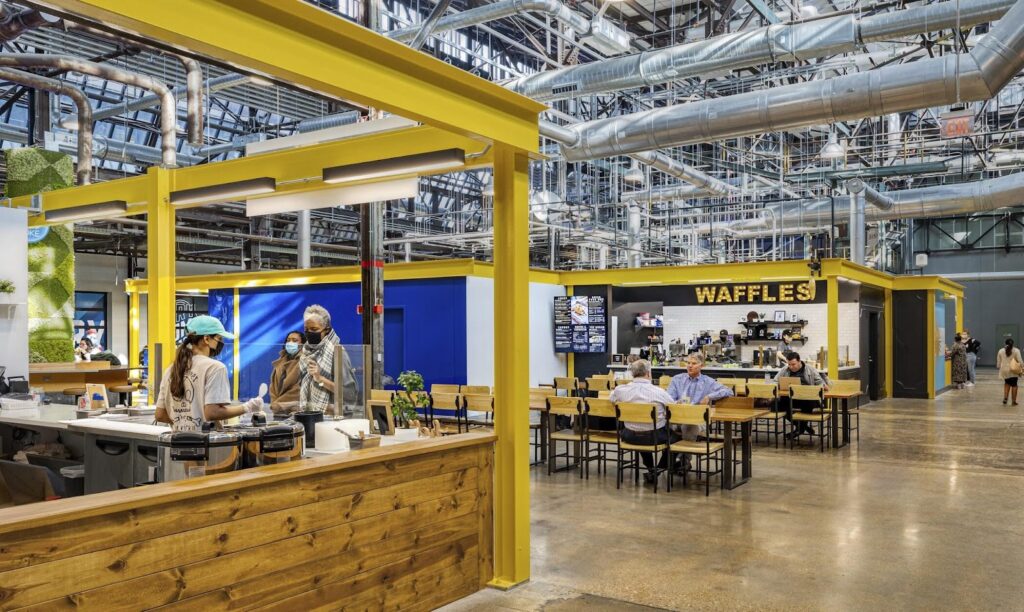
(642, 390)
(694, 387)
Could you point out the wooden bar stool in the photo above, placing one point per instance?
(124, 393)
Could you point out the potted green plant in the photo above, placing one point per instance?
(411, 397)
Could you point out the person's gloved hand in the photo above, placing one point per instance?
(253, 405)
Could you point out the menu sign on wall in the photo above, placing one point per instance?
(581, 324)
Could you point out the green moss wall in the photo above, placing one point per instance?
(51, 261)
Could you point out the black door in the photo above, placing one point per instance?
(874, 356)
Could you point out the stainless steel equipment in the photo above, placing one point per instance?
(269, 443)
(187, 454)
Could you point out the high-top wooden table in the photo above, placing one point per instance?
(845, 403)
(728, 417)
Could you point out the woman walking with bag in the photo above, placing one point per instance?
(1010, 367)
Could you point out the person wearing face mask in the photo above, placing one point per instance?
(285, 378)
(194, 390)
(318, 388)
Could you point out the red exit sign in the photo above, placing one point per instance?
(956, 124)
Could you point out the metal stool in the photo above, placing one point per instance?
(124, 393)
(75, 392)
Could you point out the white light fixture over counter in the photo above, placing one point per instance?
(339, 196)
(100, 210)
(225, 191)
(396, 166)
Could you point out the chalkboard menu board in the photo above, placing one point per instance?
(581, 324)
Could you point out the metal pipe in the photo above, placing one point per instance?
(429, 24)
(14, 23)
(168, 110)
(499, 10)
(125, 107)
(979, 75)
(879, 200)
(782, 42)
(194, 103)
(83, 167)
(327, 121)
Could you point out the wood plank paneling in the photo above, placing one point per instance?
(411, 530)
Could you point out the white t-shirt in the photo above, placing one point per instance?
(206, 382)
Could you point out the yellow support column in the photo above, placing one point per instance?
(160, 258)
(889, 339)
(236, 356)
(511, 368)
(832, 286)
(134, 310)
(932, 337)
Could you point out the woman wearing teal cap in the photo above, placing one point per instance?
(195, 389)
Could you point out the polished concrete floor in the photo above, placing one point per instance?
(925, 513)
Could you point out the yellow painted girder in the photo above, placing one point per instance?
(135, 191)
(294, 42)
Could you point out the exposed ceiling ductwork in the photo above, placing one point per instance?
(943, 80)
(499, 10)
(776, 43)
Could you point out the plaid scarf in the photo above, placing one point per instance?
(311, 395)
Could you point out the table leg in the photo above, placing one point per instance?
(846, 421)
(543, 436)
(835, 424)
(748, 449)
(727, 467)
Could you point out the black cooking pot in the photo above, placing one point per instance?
(309, 420)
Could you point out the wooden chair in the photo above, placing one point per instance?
(598, 408)
(786, 382)
(571, 407)
(569, 385)
(482, 403)
(714, 432)
(474, 390)
(596, 384)
(447, 401)
(690, 414)
(813, 393)
(664, 381)
(768, 394)
(761, 381)
(636, 413)
(604, 394)
(451, 389)
(737, 385)
(539, 394)
(850, 386)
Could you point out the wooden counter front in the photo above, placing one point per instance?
(405, 526)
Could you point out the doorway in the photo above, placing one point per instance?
(394, 344)
(874, 356)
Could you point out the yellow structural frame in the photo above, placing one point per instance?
(293, 42)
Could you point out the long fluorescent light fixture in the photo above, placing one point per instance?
(100, 210)
(338, 196)
(224, 191)
(395, 166)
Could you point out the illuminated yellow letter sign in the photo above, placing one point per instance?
(756, 294)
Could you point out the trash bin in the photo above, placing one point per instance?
(74, 480)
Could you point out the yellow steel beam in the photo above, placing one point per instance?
(134, 311)
(236, 346)
(134, 191)
(852, 271)
(294, 42)
(338, 274)
(928, 283)
(160, 259)
(832, 287)
(511, 368)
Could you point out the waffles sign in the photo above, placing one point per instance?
(757, 293)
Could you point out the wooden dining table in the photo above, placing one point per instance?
(845, 404)
(728, 417)
(541, 405)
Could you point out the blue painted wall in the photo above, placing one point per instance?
(939, 354)
(434, 324)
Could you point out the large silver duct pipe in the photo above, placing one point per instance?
(871, 196)
(634, 224)
(168, 110)
(327, 121)
(979, 75)
(499, 10)
(783, 42)
(83, 168)
(194, 99)
(704, 183)
(15, 22)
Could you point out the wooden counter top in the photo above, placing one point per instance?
(399, 526)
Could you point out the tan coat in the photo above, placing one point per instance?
(1003, 362)
(284, 384)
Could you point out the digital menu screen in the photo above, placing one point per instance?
(581, 324)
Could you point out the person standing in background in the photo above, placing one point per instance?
(1009, 363)
(285, 379)
(784, 348)
(973, 347)
(958, 361)
(318, 389)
